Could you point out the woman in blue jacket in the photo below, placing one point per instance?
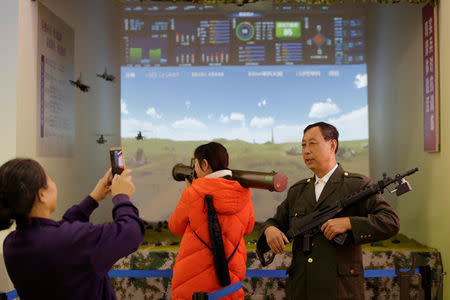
(67, 259)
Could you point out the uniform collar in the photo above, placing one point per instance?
(325, 178)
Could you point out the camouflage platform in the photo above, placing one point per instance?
(273, 288)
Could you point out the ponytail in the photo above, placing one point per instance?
(5, 212)
(216, 155)
(20, 181)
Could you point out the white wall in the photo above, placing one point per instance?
(97, 111)
(395, 74)
(8, 78)
(96, 40)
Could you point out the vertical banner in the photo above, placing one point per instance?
(56, 130)
(430, 78)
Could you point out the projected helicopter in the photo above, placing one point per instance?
(78, 84)
(139, 136)
(106, 76)
(101, 139)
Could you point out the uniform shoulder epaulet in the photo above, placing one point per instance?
(353, 175)
(302, 182)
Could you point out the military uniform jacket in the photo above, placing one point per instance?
(331, 271)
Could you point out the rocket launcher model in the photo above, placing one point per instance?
(272, 181)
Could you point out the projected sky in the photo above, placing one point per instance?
(247, 103)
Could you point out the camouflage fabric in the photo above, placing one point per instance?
(274, 288)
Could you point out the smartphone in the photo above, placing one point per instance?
(117, 160)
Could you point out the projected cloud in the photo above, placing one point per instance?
(323, 109)
(346, 124)
(237, 117)
(152, 113)
(123, 108)
(361, 81)
(261, 122)
(262, 103)
(224, 119)
(189, 123)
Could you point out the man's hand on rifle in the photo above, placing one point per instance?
(333, 227)
(276, 239)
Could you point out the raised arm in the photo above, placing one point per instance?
(118, 238)
(81, 212)
(122, 236)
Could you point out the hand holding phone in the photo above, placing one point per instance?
(122, 184)
(117, 160)
(103, 187)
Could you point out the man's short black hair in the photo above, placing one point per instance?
(329, 132)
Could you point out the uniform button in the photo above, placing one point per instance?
(312, 244)
(352, 271)
(310, 260)
(346, 173)
(309, 179)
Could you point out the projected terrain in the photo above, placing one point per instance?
(157, 193)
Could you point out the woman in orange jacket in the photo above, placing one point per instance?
(194, 269)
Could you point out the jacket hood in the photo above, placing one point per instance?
(228, 195)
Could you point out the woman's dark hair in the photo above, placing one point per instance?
(20, 181)
(214, 153)
(329, 132)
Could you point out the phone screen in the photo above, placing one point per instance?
(117, 160)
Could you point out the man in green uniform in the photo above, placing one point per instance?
(328, 271)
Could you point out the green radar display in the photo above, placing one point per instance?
(245, 31)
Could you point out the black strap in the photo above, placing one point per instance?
(217, 247)
(234, 251)
(204, 243)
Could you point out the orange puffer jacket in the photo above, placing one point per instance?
(194, 268)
